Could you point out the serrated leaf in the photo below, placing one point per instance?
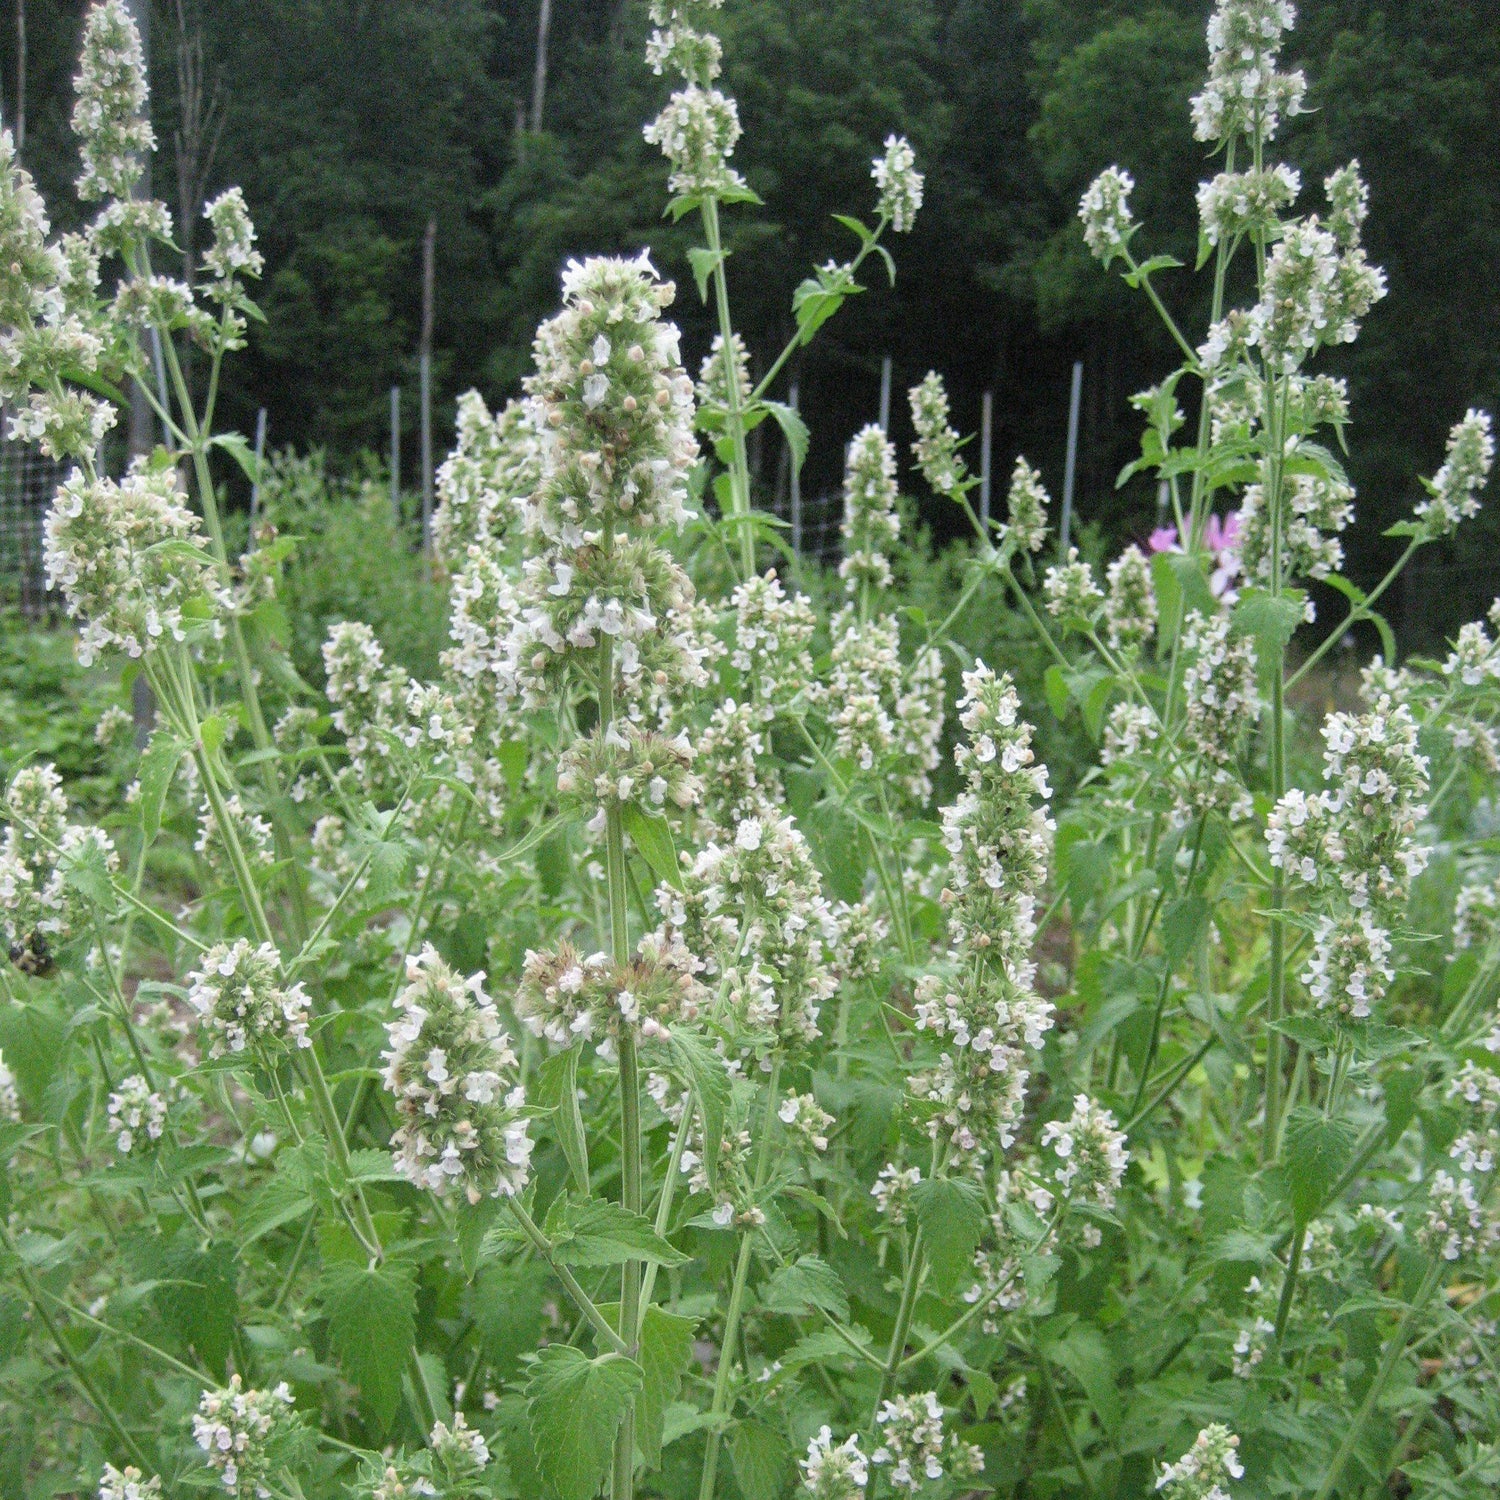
(1315, 1151)
(793, 429)
(809, 1282)
(372, 1328)
(711, 1091)
(596, 1232)
(557, 1090)
(576, 1405)
(952, 1217)
(652, 836)
(1182, 924)
(234, 444)
(666, 1354)
(84, 871)
(157, 767)
(1270, 620)
(761, 1459)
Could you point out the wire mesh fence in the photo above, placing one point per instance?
(28, 481)
(812, 526)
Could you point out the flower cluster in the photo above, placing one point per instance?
(130, 560)
(772, 630)
(494, 469)
(699, 126)
(1090, 1152)
(916, 1448)
(1130, 603)
(564, 995)
(712, 389)
(740, 779)
(937, 443)
(246, 1436)
(1203, 1471)
(1027, 502)
(1070, 590)
(128, 1484)
(899, 182)
(1130, 728)
(871, 525)
(241, 1002)
(754, 909)
(109, 110)
(885, 716)
(1105, 211)
(1315, 508)
(452, 1465)
(40, 907)
(1453, 492)
(10, 1100)
(1458, 1222)
(615, 768)
(454, 1077)
(1355, 844)
(834, 1471)
(802, 1116)
(1233, 204)
(137, 1114)
(1219, 689)
(1246, 94)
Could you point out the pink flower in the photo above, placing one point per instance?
(1164, 539)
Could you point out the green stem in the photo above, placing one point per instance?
(1357, 612)
(1050, 1388)
(734, 417)
(1289, 1280)
(916, 1263)
(664, 1206)
(581, 1299)
(737, 1295)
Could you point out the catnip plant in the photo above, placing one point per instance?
(686, 1047)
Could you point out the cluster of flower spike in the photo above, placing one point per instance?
(1354, 844)
(39, 907)
(1203, 1471)
(871, 526)
(496, 465)
(1219, 688)
(454, 1076)
(241, 1002)
(1246, 93)
(129, 558)
(137, 1114)
(245, 1436)
(915, 1450)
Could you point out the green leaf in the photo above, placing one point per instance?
(32, 1039)
(576, 1406)
(199, 1298)
(1315, 1033)
(762, 1459)
(1269, 620)
(372, 1328)
(1182, 923)
(1150, 267)
(1085, 1356)
(711, 1091)
(952, 1218)
(211, 733)
(1055, 685)
(652, 836)
(158, 766)
(84, 871)
(810, 1282)
(793, 429)
(856, 227)
(666, 1353)
(557, 1089)
(1317, 1148)
(596, 1232)
(234, 444)
(704, 263)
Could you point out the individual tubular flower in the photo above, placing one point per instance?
(241, 1002)
(563, 995)
(1219, 689)
(1203, 1471)
(629, 767)
(131, 561)
(1090, 1152)
(754, 909)
(871, 525)
(1105, 211)
(454, 1077)
(1453, 492)
(805, 1120)
(1027, 501)
(1245, 92)
(917, 1449)
(899, 182)
(1070, 590)
(1239, 203)
(137, 1114)
(109, 112)
(246, 1436)
(1130, 604)
(834, 1471)
(936, 447)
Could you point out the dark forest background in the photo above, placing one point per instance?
(350, 122)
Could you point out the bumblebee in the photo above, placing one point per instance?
(32, 956)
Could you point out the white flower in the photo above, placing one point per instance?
(1203, 1471)
(1105, 211)
(241, 1003)
(834, 1471)
(899, 182)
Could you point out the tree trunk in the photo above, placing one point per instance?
(539, 76)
